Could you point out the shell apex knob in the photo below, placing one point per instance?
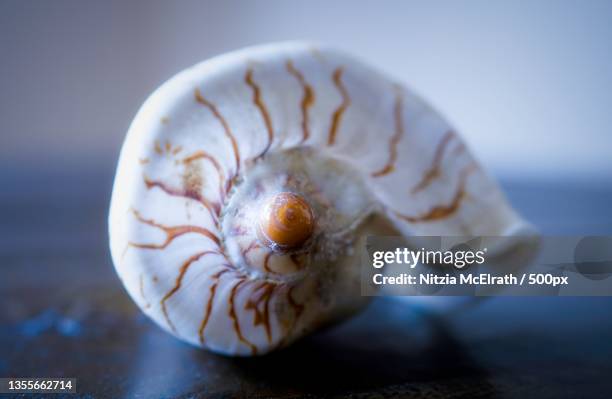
(286, 221)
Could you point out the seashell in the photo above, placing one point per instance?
(246, 182)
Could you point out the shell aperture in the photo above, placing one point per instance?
(246, 182)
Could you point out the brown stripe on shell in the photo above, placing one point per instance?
(263, 110)
(234, 317)
(266, 263)
(228, 132)
(224, 185)
(298, 309)
(262, 295)
(172, 232)
(439, 212)
(245, 252)
(179, 280)
(337, 115)
(189, 193)
(253, 245)
(399, 132)
(307, 99)
(209, 303)
(433, 172)
(297, 260)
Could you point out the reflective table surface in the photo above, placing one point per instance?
(64, 313)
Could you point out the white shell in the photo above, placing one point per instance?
(216, 139)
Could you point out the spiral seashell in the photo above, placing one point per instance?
(245, 183)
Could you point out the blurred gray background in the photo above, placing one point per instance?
(528, 83)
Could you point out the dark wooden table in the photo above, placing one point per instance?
(64, 313)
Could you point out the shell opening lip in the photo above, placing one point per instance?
(286, 222)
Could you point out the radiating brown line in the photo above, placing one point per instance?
(443, 211)
(215, 111)
(177, 149)
(297, 308)
(259, 103)
(179, 280)
(223, 187)
(434, 170)
(209, 303)
(399, 132)
(267, 314)
(253, 245)
(234, 317)
(213, 208)
(337, 115)
(172, 233)
(254, 303)
(296, 259)
(267, 262)
(144, 161)
(307, 99)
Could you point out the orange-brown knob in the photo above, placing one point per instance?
(286, 221)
